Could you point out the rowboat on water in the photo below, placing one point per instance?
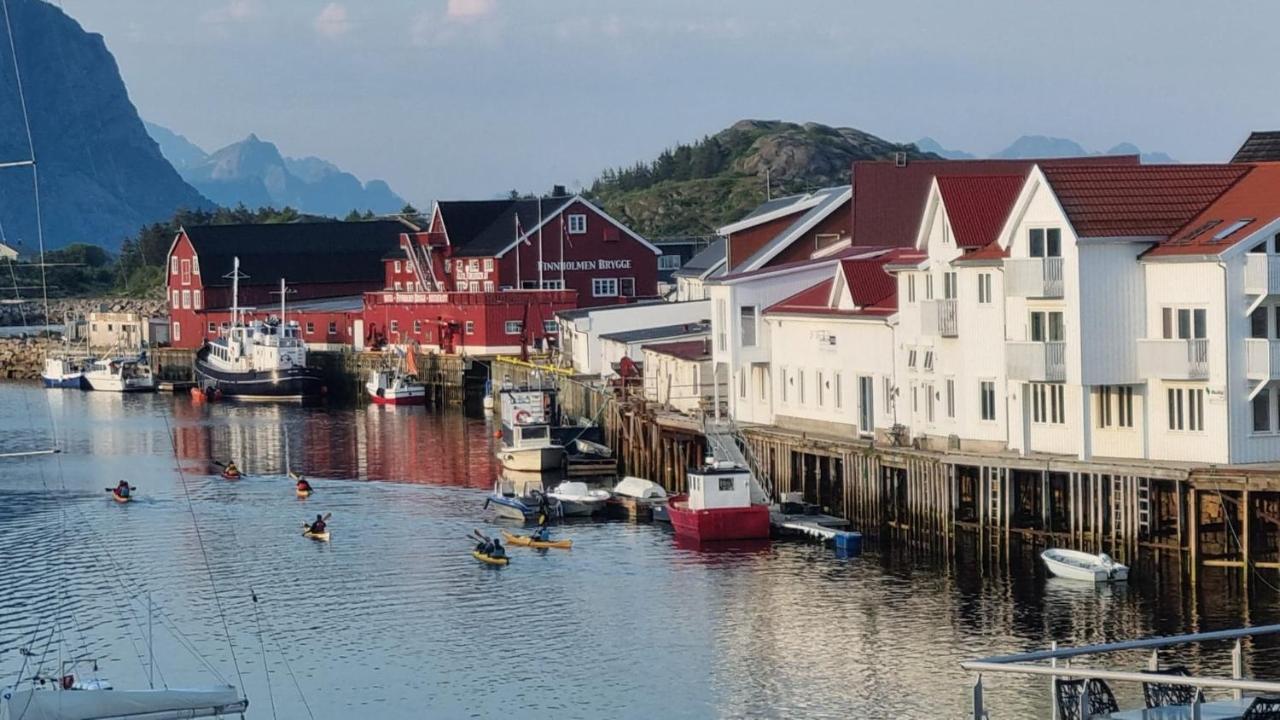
(489, 559)
(578, 500)
(1076, 565)
(526, 541)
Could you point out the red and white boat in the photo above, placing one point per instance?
(718, 506)
(397, 386)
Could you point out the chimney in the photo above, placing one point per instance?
(900, 159)
(558, 191)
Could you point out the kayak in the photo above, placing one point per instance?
(489, 558)
(230, 476)
(527, 541)
(304, 494)
(322, 537)
(121, 498)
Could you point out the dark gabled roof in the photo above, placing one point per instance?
(692, 350)
(769, 206)
(484, 228)
(707, 258)
(658, 333)
(312, 252)
(1261, 146)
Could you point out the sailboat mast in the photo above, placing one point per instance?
(282, 322)
(151, 653)
(235, 291)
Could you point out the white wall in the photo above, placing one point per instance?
(1112, 314)
(584, 333)
(612, 351)
(682, 384)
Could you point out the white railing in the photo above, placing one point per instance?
(1033, 277)
(1037, 361)
(1178, 359)
(939, 318)
(1263, 358)
(1261, 274)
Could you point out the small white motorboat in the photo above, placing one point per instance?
(120, 374)
(521, 500)
(577, 500)
(640, 498)
(1076, 565)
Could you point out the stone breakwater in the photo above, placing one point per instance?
(23, 358)
(32, 311)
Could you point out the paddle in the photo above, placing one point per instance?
(222, 465)
(131, 489)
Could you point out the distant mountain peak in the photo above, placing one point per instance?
(928, 144)
(1043, 146)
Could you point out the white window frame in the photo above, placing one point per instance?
(748, 332)
(186, 299)
(333, 327)
(984, 288)
(951, 398)
(196, 299)
(626, 287)
(987, 400)
(186, 272)
(195, 264)
(488, 264)
(668, 262)
(513, 327)
(578, 224)
(397, 267)
(176, 299)
(599, 287)
(469, 327)
(550, 327)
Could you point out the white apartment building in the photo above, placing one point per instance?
(581, 328)
(679, 374)
(690, 279)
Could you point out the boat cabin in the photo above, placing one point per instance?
(719, 485)
(527, 417)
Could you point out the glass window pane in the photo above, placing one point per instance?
(1055, 327)
(1262, 412)
(1167, 317)
(1053, 243)
(1200, 316)
(1184, 323)
(1036, 248)
(1258, 322)
(1037, 327)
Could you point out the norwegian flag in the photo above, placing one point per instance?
(519, 230)
(564, 231)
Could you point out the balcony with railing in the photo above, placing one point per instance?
(1036, 361)
(1262, 359)
(1261, 274)
(1033, 277)
(938, 318)
(1174, 359)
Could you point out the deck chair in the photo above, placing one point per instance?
(1264, 707)
(1165, 694)
(1101, 699)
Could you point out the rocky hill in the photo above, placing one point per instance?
(101, 176)
(252, 172)
(694, 189)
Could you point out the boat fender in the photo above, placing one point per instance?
(68, 681)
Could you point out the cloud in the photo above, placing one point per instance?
(469, 9)
(233, 11)
(332, 21)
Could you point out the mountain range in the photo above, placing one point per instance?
(253, 173)
(1041, 146)
(101, 176)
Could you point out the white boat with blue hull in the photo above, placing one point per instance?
(1083, 566)
(64, 372)
(521, 501)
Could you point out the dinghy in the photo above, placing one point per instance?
(1076, 565)
(523, 503)
(577, 500)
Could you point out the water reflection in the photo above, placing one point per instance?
(393, 619)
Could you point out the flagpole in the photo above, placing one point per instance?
(540, 223)
(562, 251)
(518, 287)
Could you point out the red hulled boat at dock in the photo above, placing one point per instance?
(718, 506)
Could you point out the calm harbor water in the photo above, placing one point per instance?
(393, 618)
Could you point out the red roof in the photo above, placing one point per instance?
(1254, 198)
(810, 300)
(991, 251)
(869, 283)
(1138, 201)
(978, 205)
(683, 349)
(888, 200)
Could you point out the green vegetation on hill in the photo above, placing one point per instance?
(694, 189)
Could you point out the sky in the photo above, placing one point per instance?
(450, 99)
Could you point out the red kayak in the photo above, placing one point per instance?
(230, 475)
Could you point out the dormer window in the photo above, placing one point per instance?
(577, 224)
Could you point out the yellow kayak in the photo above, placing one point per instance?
(489, 559)
(304, 494)
(527, 541)
(121, 498)
(322, 537)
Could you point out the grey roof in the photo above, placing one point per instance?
(769, 206)
(830, 199)
(575, 313)
(704, 260)
(1260, 147)
(483, 228)
(658, 333)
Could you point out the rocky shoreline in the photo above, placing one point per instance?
(23, 358)
(32, 311)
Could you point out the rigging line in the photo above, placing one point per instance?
(288, 667)
(217, 599)
(1251, 567)
(257, 619)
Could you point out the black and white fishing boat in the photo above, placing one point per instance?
(262, 359)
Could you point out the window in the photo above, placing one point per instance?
(762, 383)
(928, 361)
(819, 389)
(911, 288)
(1044, 242)
(474, 286)
(604, 287)
(987, 391)
(473, 265)
(488, 286)
(488, 264)
(186, 299)
(395, 327)
(173, 265)
(1124, 399)
(397, 265)
(577, 224)
(984, 288)
(951, 398)
(1048, 403)
(470, 327)
(549, 327)
(177, 331)
(928, 286)
(186, 272)
(1046, 326)
(462, 286)
(722, 321)
(195, 265)
(915, 399)
(726, 484)
(928, 402)
(417, 327)
(949, 286)
(800, 386)
(213, 328)
(1262, 412)
(177, 299)
(742, 385)
(1258, 322)
(311, 328)
(333, 327)
(1227, 231)
(668, 262)
(911, 358)
(783, 376)
(552, 284)
(461, 265)
(627, 287)
(195, 299)
(888, 393)
(1186, 409)
(513, 327)
(1115, 406)
(1184, 323)
(747, 320)
(1104, 406)
(839, 391)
